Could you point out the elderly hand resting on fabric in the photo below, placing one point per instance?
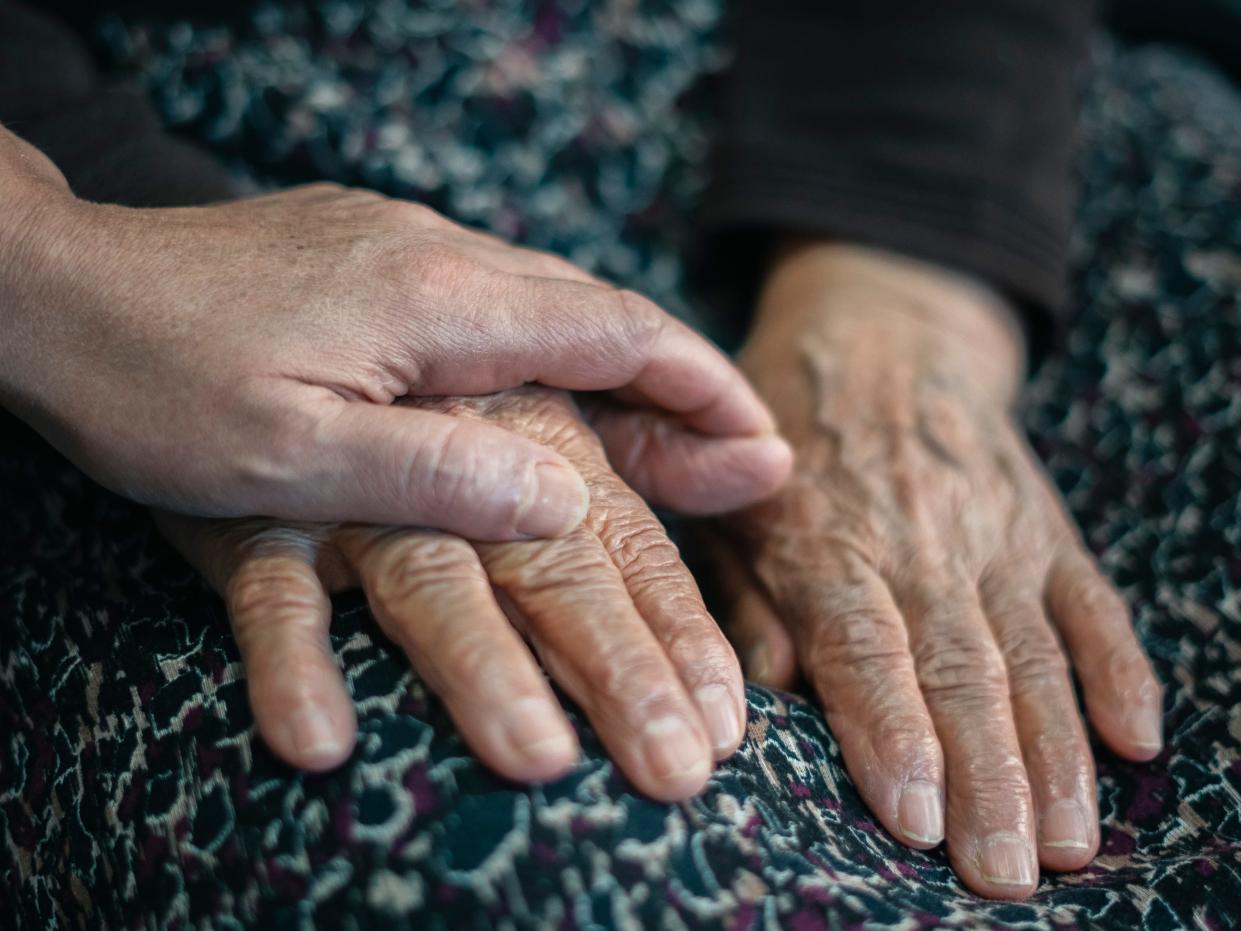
(921, 571)
(611, 612)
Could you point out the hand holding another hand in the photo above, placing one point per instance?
(609, 611)
(241, 358)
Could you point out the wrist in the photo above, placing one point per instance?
(39, 221)
(878, 310)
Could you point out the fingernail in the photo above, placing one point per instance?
(1146, 728)
(556, 504)
(777, 447)
(673, 751)
(1005, 860)
(757, 663)
(767, 422)
(534, 728)
(921, 813)
(770, 446)
(1064, 825)
(314, 737)
(719, 711)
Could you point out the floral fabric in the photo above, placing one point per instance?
(133, 789)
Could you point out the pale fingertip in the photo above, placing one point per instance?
(920, 813)
(725, 725)
(317, 741)
(765, 424)
(768, 463)
(1005, 860)
(1067, 836)
(543, 746)
(1064, 827)
(1144, 728)
(1134, 733)
(675, 758)
(778, 451)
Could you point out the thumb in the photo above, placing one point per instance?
(401, 465)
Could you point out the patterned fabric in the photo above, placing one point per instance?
(133, 790)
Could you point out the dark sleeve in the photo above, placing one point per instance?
(941, 130)
(103, 135)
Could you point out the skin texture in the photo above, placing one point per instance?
(241, 358)
(921, 571)
(609, 611)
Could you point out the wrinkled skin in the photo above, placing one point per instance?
(921, 572)
(611, 613)
(241, 358)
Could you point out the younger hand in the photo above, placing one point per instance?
(241, 358)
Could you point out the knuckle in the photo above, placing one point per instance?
(271, 595)
(697, 647)
(1033, 657)
(642, 317)
(1100, 604)
(858, 632)
(997, 782)
(653, 573)
(394, 211)
(425, 268)
(413, 569)
(544, 420)
(1056, 749)
(634, 675)
(354, 204)
(549, 265)
(418, 214)
(907, 743)
(1129, 668)
(573, 563)
(257, 539)
(466, 660)
(961, 667)
(639, 547)
(859, 637)
(439, 268)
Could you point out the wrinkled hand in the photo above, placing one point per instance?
(610, 611)
(240, 359)
(921, 566)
